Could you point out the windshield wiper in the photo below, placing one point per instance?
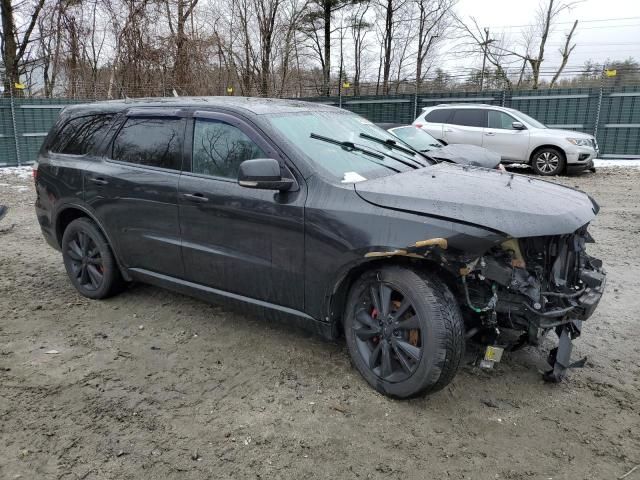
(394, 145)
(352, 147)
(389, 142)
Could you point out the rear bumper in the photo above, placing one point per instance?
(46, 225)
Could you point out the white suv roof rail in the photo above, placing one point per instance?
(458, 104)
(466, 104)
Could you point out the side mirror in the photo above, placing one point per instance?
(518, 126)
(263, 173)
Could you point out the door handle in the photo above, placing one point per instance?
(195, 197)
(448, 130)
(98, 180)
(490, 134)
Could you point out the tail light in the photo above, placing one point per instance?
(34, 172)
(418, 125)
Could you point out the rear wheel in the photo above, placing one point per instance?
(88, 259)
(404, 331)
(548, 161)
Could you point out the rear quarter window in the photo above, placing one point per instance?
(80, 135)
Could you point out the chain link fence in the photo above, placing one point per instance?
(606, 108)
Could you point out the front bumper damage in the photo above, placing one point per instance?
(535, 285)
(529, 285)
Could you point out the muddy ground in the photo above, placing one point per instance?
(151, 384)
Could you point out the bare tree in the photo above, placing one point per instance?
(492, 50)
(14, 43)
(565, 52)
(389, 11)
(359, 29)
(267, 12)
(319, 17)
(431, 25)
(178, 22)
(498, 54)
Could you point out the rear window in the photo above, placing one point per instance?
(469, 117)
(81, 135)
(440, 115)
(154, 142)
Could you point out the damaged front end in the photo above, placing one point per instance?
(533, 285)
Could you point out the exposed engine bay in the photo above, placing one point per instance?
(534, 285)
(529, 285)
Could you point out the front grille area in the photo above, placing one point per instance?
(555, 261)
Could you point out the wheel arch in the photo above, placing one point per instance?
(340, 289)
(72, 212)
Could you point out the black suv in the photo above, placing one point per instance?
(314, 214)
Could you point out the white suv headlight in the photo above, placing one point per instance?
(580, 142)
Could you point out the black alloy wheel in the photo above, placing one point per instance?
(404, 331)
(388, 333)
(86, 261)
(89, 261)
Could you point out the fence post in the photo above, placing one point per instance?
(13, 124)
(599, 107)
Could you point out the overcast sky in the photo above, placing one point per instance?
(606, 28)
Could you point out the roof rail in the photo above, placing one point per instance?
(457, 104)
(465, 104)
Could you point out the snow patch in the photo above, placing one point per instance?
(631, 163)
(20, 172)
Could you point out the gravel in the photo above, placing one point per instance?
(152, 384)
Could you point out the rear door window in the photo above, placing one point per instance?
(150, 141)
(469, 117)
(440, 115)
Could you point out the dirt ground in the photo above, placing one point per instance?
(151, 384)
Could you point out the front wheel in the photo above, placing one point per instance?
(548, 161)
(404, 331)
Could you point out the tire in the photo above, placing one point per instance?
(89, 261)
(548, 161)
(428, 334)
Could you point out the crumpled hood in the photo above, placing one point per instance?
(466, 155)
(515, 205)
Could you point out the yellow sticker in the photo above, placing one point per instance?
(493, 354)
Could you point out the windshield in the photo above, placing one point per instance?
(347, 165)
(417, 138)
(530, 120)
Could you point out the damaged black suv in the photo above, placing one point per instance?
(311, 213)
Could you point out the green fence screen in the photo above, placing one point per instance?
(612, 114)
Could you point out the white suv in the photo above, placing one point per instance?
(517, 137)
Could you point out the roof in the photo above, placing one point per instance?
(255, 105)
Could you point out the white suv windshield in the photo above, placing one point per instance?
(369, 159)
